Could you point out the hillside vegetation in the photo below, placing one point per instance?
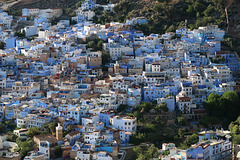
(165, 15)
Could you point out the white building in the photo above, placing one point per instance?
(185, 104)
(120, 85)
(151, 92)
(84, 14)
(224, 71)
(83, 155)
(33, 120)
(44, 147)
(186, 88)
(30, 31)
(172, 71)
(115, 52)
(22, 133)
(168, 146)
(124, 123)
(75, 113)
(30, 11)
(91, 137)
(103, 156)
(156, 67)
(6, 20)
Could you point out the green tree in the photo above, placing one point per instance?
(10, 125)
(19, 141)
(163, 107)
(95, 43)
(146, 106)
(230, 97)
(137, 151)
(2, 45)
(231, 125)
(224, 108)
(26, 146)
(172, 28)
(52, 127)
(121, 108)
(33, 131)
(191, 140)
(152, 152)
(137, 138)
(238, 120)
(212, 103)
(90, 44)
(2, 127)
(166, 153)
(12, 137)
(99, 44)
(69, 129)
(208, 11)
(73, 22)
(78, 4)
(103, 1)
(17, 12)
(206, 121)
(70, 12)
(19, 34)
(235, 129)
(105, 57)
(181, 133)
(58, 152)
(236, 139)
(181, 121)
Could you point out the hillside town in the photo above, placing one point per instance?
(70, 88)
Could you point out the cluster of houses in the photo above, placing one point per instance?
(212, 145)
(54, 77)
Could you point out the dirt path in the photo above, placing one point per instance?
(6, 5)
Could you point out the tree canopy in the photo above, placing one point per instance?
(234, 127)
(95, 43)
(165, 16)
(141, 154)
(223, 109)
(2, 45)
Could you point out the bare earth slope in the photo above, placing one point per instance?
(44, 4)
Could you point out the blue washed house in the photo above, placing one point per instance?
(105, 117)
(206, 135)
(10, 43)
(195, 152)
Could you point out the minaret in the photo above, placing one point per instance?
(59, 132)
(116, 67)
